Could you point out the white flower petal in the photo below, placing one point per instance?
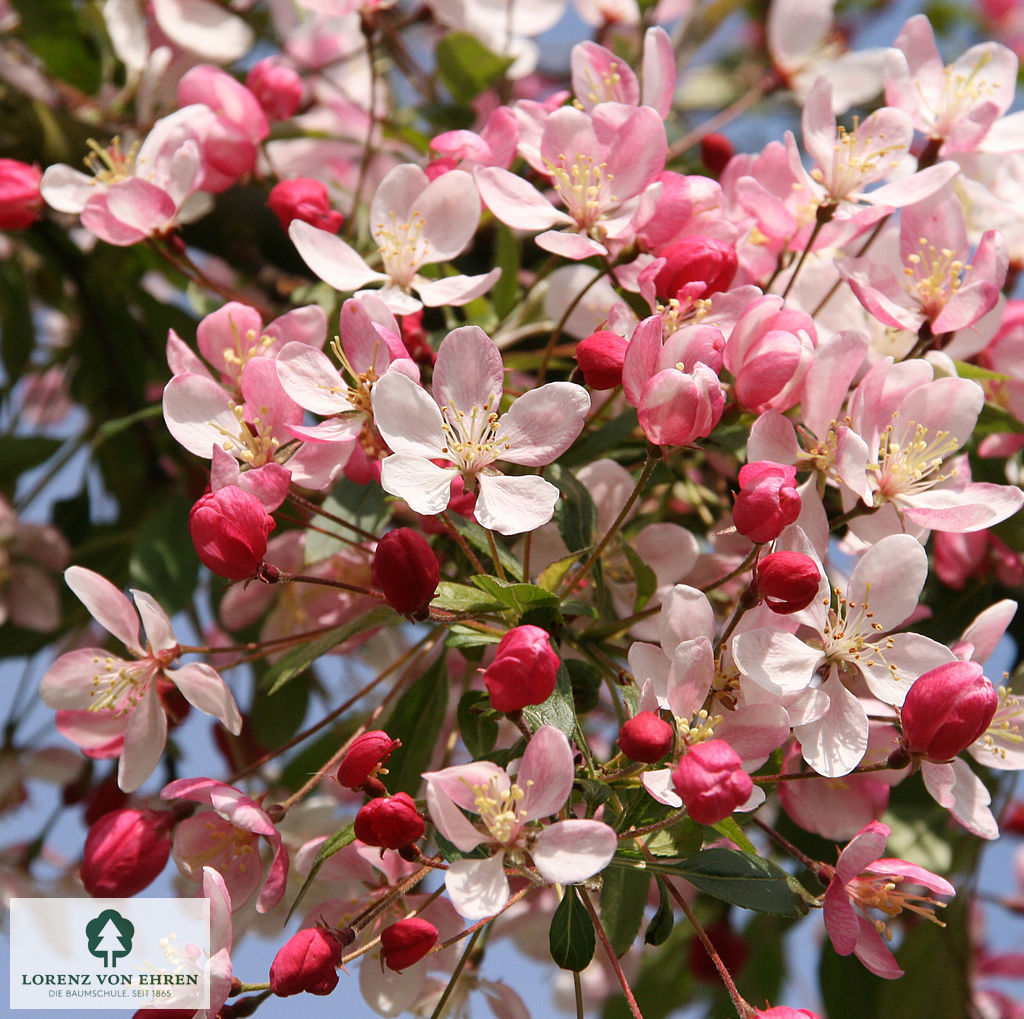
(478, 888)
(573, 850)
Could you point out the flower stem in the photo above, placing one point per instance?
(821, 217)
(456, 973)
(610, 952)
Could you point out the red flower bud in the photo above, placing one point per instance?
(788, 580)
(696, 260)
(767, 501)
(646, 737)
(124, 852)
(307, 961)
(784, 1012)
(229, 529)
(715, 152)
(406, 942)
(711, 782)
(389, 821)
(306, 199)
(277, 89)
(406, 570)
(523, 671)
(364, 758)
(20, 201)
(946, 710)
(600, 358)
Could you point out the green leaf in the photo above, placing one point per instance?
(530, 603)
(743, 880)
(734, 833)
(60, 38)
(462, 598)
(163, 562)
(477, 723)
(623, 899)
(275, 720)
(600, 443)
(16, 316)
(557, 710)
(300, 659)
(679, 840)
(552, 576)
(331, 845)
(417, 720)
(466, 637)
(643, 575)
(571, 936)
(664, 918)
(505, 292)
(575, 512)
(364, 506)
(585, 679)
(466, 66)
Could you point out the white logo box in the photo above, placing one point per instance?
(78, 954)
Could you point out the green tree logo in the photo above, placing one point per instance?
(110, 936)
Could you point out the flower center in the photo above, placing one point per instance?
(908, 460)
(253, 444)
(500, 811)
(585, 187)
(472, 441)
(109, 165)
(856, 160)
(401, 246)
(878, 891)
(118, 686)
(846, 635)
(933, 276)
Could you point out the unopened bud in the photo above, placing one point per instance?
(229, 529)
(306, 199)
(21, 204)
(946, 710)
(406, 942)
(524, 669)
(390, 822)
(715, 152)
(124, 852)
(406, 570)
(696, 267)
(788, 581)
(711, 782)
(646, 737)
(767, 501)
(600, 356)
(364, 758)
(308, 961)
(278, 89)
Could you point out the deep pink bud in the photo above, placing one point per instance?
(364, 758)
(785, 1012)
(715, 152)
(788, 580)
(306, 199)
(406, 942)
(20, 201)
(523, 671)
(406, 570)
(307, 961)
(229, 529)
(124, 852)
(946, 710)
(711, 782)
(646, 737)
(278, 89)
(600, 358)
(767, 501)
(389, 821)
(696, 260)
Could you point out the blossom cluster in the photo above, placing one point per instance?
(593, 519)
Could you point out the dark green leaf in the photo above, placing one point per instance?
(600, 443)
(466, 66)
(16, 326)
(531, 604)
(682, 839)
(747, 881)
(734, 833)
(586, 681)
(300, 659)
(506, 254)
(664, 918)
(163, 562)
(462, 598)
(571, 936)
(575, 512)
(594, 792)
(275, 720)
(364, 506)
(56, 33)
(331, 845)
(557, 710)
(476, 723)
(417, 720)
(623, 899)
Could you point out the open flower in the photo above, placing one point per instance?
(464, 428)
(506, 806)
(105, 700)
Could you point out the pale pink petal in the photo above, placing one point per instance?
(835, 744)
(570, 851)
(140, 205)
(840, 919)
(873, 952)
(198, 414)
(155, 622)
(144, 741)
(516, 202)
(106, 604)
(909, 655)
(276, 880)
(422, 484)
(545, 774)
(468, 372)
(777, 661)
(904, 871)
(659, 785)
(204, 689)
(514, 505)
(455, 290)
(685, 614)
(330, 258)
(406, 417)
(863, 849)
(691, 675)
(451, 211)
(66, 189)
(68, 683)
(310, 378)
(204, 28)
(460, 782)
(478, 888)
(659, 71)
(974, 507)
(99, 220)
(955, 787)
(569, 245)
(888, 578)
(988, 627)
(543, 423)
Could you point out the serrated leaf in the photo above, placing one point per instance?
(329, 847)
(300, 659)
(462, 598)
(664, 918)
(363, 506)
(162, 561)
(477, 724)
(623, 899)
(466, 66)
(417, 720)
(557, 710)
(575, 512)
(528, 602)
(743, 880)
(571, 936)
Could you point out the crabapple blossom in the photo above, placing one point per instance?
(462, 425)
(277, 88)
(229, 529)
(364, 758)
(124, 852)
(414, 221)
(21, 204)
(508, 806)
(112, 706)
(307, 961)
(407, 571)
(711, 782)
(646, 737)
(767, 501)
(305, 199)
(523, 671)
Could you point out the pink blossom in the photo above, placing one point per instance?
(523, 671)
(414, 221)
(711, 782)
(767, 501)
(227, 837)
(861, 881)
(407, 571)
(304, 199)
(21, 204)
(507, 807)
(600, 76)
(109, 699)
(229, 529)
(461, 425)
(277, 88)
